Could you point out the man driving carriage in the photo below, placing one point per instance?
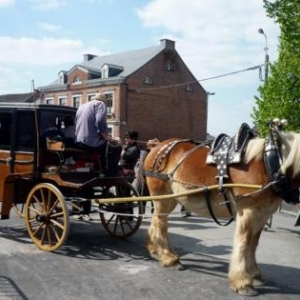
(91, 130)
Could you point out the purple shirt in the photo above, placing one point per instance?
(90, 122)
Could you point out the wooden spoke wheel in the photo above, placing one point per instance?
(121, 220)
(46, 217)
(19, 209)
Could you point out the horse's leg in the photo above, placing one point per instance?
(244, 272)
(157, 240)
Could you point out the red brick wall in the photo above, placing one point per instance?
(156, 111)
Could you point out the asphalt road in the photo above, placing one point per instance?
(93, 265)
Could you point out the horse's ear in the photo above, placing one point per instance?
(152, 143)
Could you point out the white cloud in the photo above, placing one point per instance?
(9, 75)
(213, 38)
(48, 26)
(6, 3)
(46, 51)
(217, 35)
(47, 4)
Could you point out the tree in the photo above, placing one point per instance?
(280, 93)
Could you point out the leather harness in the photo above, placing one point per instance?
(225, 151)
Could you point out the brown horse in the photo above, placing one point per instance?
(176, 166)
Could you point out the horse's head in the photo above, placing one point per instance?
(290, 151)
(152, 143)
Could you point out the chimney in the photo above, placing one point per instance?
(167, 44)
(87, 57)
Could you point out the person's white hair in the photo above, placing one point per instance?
(100, 97)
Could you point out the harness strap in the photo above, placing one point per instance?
(186, 154)
(210, 209)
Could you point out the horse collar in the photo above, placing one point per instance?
(273, 160)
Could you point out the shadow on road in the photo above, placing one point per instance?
(10, 290)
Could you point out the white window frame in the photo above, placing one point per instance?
(104, 71)
(62, 100)
(61, 77)
(78, 101)
(110, 108)
(77, 80)
(49, 100)
(90, 97)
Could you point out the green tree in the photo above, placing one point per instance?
(280, 93)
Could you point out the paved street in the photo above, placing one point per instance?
(93, 265)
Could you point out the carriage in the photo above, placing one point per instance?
(46, 179)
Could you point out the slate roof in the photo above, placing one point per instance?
(129, 61)
(24, 97)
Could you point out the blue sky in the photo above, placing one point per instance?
(214, 37)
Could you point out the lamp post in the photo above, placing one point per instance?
(261, 31)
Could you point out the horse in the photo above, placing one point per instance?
(248, 190)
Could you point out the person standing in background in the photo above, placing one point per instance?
(129, 158)
(130, 154)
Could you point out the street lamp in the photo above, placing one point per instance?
(261, 31)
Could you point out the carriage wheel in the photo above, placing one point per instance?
(19, 209)
(46, 217)
(121, 220)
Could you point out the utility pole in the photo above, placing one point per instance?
(261, 31)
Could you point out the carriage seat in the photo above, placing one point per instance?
(68, 152)
(226, 150)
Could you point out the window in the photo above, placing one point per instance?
(90, 97)
(110, 102)
(62, 77)
(148, 80)
(49, 101)
(5, 130)
(76, 101)
(77, 80)
(169, 67)
(189, 88)
(104, 71)
(25, 134)
(62, 101)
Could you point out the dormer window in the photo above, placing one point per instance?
(62, 77)
(148, 80)
(104, 71)
(109, 70)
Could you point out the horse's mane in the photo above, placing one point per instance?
(291, 153)
(254, 150)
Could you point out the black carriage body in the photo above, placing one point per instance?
(23, 154)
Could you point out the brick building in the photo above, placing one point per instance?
(149, 90)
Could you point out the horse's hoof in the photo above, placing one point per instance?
(258, 283)
(248, 291)
(179, 267)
